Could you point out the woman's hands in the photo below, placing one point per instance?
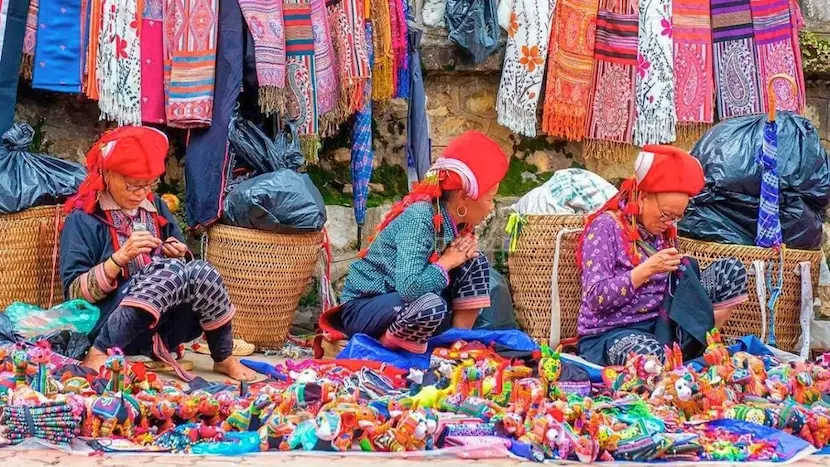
(662, 262)
(139, 243)
(463, 248)
(173, 248)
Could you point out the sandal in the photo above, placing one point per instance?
(240, 348)
(157, 366)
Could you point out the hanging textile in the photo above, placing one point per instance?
(264, 19)
(301, 102)
(206, 159)
(769, 232)
(736, 69)
(418, 143)
(694, 83)
(772, 29)
(655, 98)
(797, 24)
(59, 56)
(190, 61)
(400, 47)
(571, 69)
(91, 81)
(29, 40)
(12, 29)
(118, 62)
(349, 42)
(361, 151)
(524, 66)
(152, 62)
(383, 82)
(611, 110)
(325, 67)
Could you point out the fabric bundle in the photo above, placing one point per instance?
(59, 56)
(265, 21)
(694, 84)
(571, 69)
(773, 40)
(349, 40)
(118, 62)
(524, 66)
(736, 70)
(325, 68)
(190, 61)
(52, 421)
(611, 111)
(383, 81)
(301, 105)
(655, 96)
(29, 40)
(152, 62)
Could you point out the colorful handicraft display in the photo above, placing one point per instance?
(469, 396)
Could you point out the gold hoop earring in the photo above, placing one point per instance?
(458, 211)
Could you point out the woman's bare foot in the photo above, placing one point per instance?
(95, 359)
(235, 370)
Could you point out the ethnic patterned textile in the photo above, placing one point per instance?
(736, 69)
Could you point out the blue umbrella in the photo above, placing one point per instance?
(362, 152)
(769, 222)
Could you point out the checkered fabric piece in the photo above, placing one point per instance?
(471, 284)
(419, 320)
(724, 280)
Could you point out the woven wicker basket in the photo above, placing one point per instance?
(531, 270)
(266, 274)
(28, 257)
(747, 318)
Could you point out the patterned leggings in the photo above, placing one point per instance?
(419, 320)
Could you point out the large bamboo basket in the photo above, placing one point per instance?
(29, 242)
(531, 272)
(747, 318)
(265, 273)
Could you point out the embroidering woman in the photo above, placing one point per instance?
(122, 250)
(638, 292)
(424, 273)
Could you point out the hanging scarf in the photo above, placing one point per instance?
(29, 40)
(797, 24)
(611, 110)
(325, 68)
(12, 29)
(383, 82)
(349, 40)
(736, 69)
(264, 19)
(152, 62)
(190, 61)
(400, 47)
(571, 70)
(91, 82)
(119, 63)
(299, 50)
(772, 29)
(655, 99)
(59, 55)
(524, 66)
(694, 85)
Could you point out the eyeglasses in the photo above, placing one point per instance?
(666, 218)
(134, 188)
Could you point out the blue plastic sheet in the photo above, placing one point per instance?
(363, 347)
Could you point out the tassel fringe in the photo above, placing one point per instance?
(517, 118)
(272, 100)
(310, 147)
(688, 133)
(559, 124)
(654, 130)
(383, 83)
(606, 151)
(27, 67)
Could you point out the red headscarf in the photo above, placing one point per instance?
(658, 169)
(472, 162)
(135, 152)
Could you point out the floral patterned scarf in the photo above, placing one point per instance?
(655, 95)
(29, 40)
(328, 88)
(524, 65)
(119, 62)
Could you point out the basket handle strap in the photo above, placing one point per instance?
(758, 269)
(803, 270)
(555, 303)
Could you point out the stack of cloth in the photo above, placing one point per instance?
(51, 421)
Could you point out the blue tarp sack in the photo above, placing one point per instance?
(29, 180)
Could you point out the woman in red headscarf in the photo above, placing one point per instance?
(122, 250)
(423, 272)
(638, 292)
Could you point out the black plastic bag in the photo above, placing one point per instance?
(473, 26)
(727, 209)
(254, 149)
(283, 201)
(29, 180)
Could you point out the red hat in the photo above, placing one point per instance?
(135, 152)
(667, 169)
(473, 162)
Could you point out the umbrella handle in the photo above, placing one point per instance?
(771, 93)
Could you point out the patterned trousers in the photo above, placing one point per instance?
(420, 319)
